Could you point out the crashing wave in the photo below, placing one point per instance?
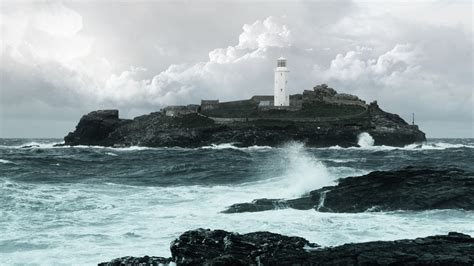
(365, 140)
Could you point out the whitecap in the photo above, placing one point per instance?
(346, 160)
(224, 146)
(6, 161)
(409, 147)
(38, 145)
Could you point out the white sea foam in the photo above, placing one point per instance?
(6, 161)
(345, 160)
(132, 148)
(38, 145)
(224, 146)
(365, 142)
(410, 147)
(111, 154)
(108, 215)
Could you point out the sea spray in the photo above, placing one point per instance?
(322, 198)
(302, 172)
(365, 140)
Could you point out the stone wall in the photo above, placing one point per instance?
(209, 104)
(175, 110)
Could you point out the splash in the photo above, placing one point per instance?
(302, 171)
(365, 140)
(322, 198)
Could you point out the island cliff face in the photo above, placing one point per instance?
(320, 118)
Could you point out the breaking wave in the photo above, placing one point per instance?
(410, 147)
(5, 161)
(365, 140)
(231, 146)
(301, 171)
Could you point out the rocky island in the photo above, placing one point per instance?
(319, 118)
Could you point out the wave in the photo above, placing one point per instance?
(410, 147)
(6, 161)
(353, 160)
(365, 142)
(301, 171)
(35, 145)
(60, 145)
(231, 146)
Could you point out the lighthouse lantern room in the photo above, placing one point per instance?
(281, 72)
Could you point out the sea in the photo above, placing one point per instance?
(87, 204)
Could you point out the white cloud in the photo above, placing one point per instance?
(264, 33)
(227, 71)
(352, 66)
(48, 32)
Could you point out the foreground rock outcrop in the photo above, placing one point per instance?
(318, 118)
(406, 189)
(218, 247)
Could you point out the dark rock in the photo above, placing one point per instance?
(316, 123)
(451, 249)
(303, 203)
(29, 146)
(406, 189)
(323, 90)
(218, 247)
(136, 261)
(95, 129)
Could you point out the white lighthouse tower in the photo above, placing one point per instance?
(281, 72)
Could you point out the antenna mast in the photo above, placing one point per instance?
(413, 119)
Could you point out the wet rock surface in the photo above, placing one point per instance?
(218, 247)
(146, 260)
(406, 189)
(95, 128)
(451, 249)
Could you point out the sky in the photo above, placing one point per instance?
(63, 59)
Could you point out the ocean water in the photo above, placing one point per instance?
(84, 205)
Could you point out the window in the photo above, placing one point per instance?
(281, 63)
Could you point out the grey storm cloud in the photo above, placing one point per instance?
(62, 59)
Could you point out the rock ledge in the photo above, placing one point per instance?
(218, 247)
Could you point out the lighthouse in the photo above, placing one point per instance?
(281, 73)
